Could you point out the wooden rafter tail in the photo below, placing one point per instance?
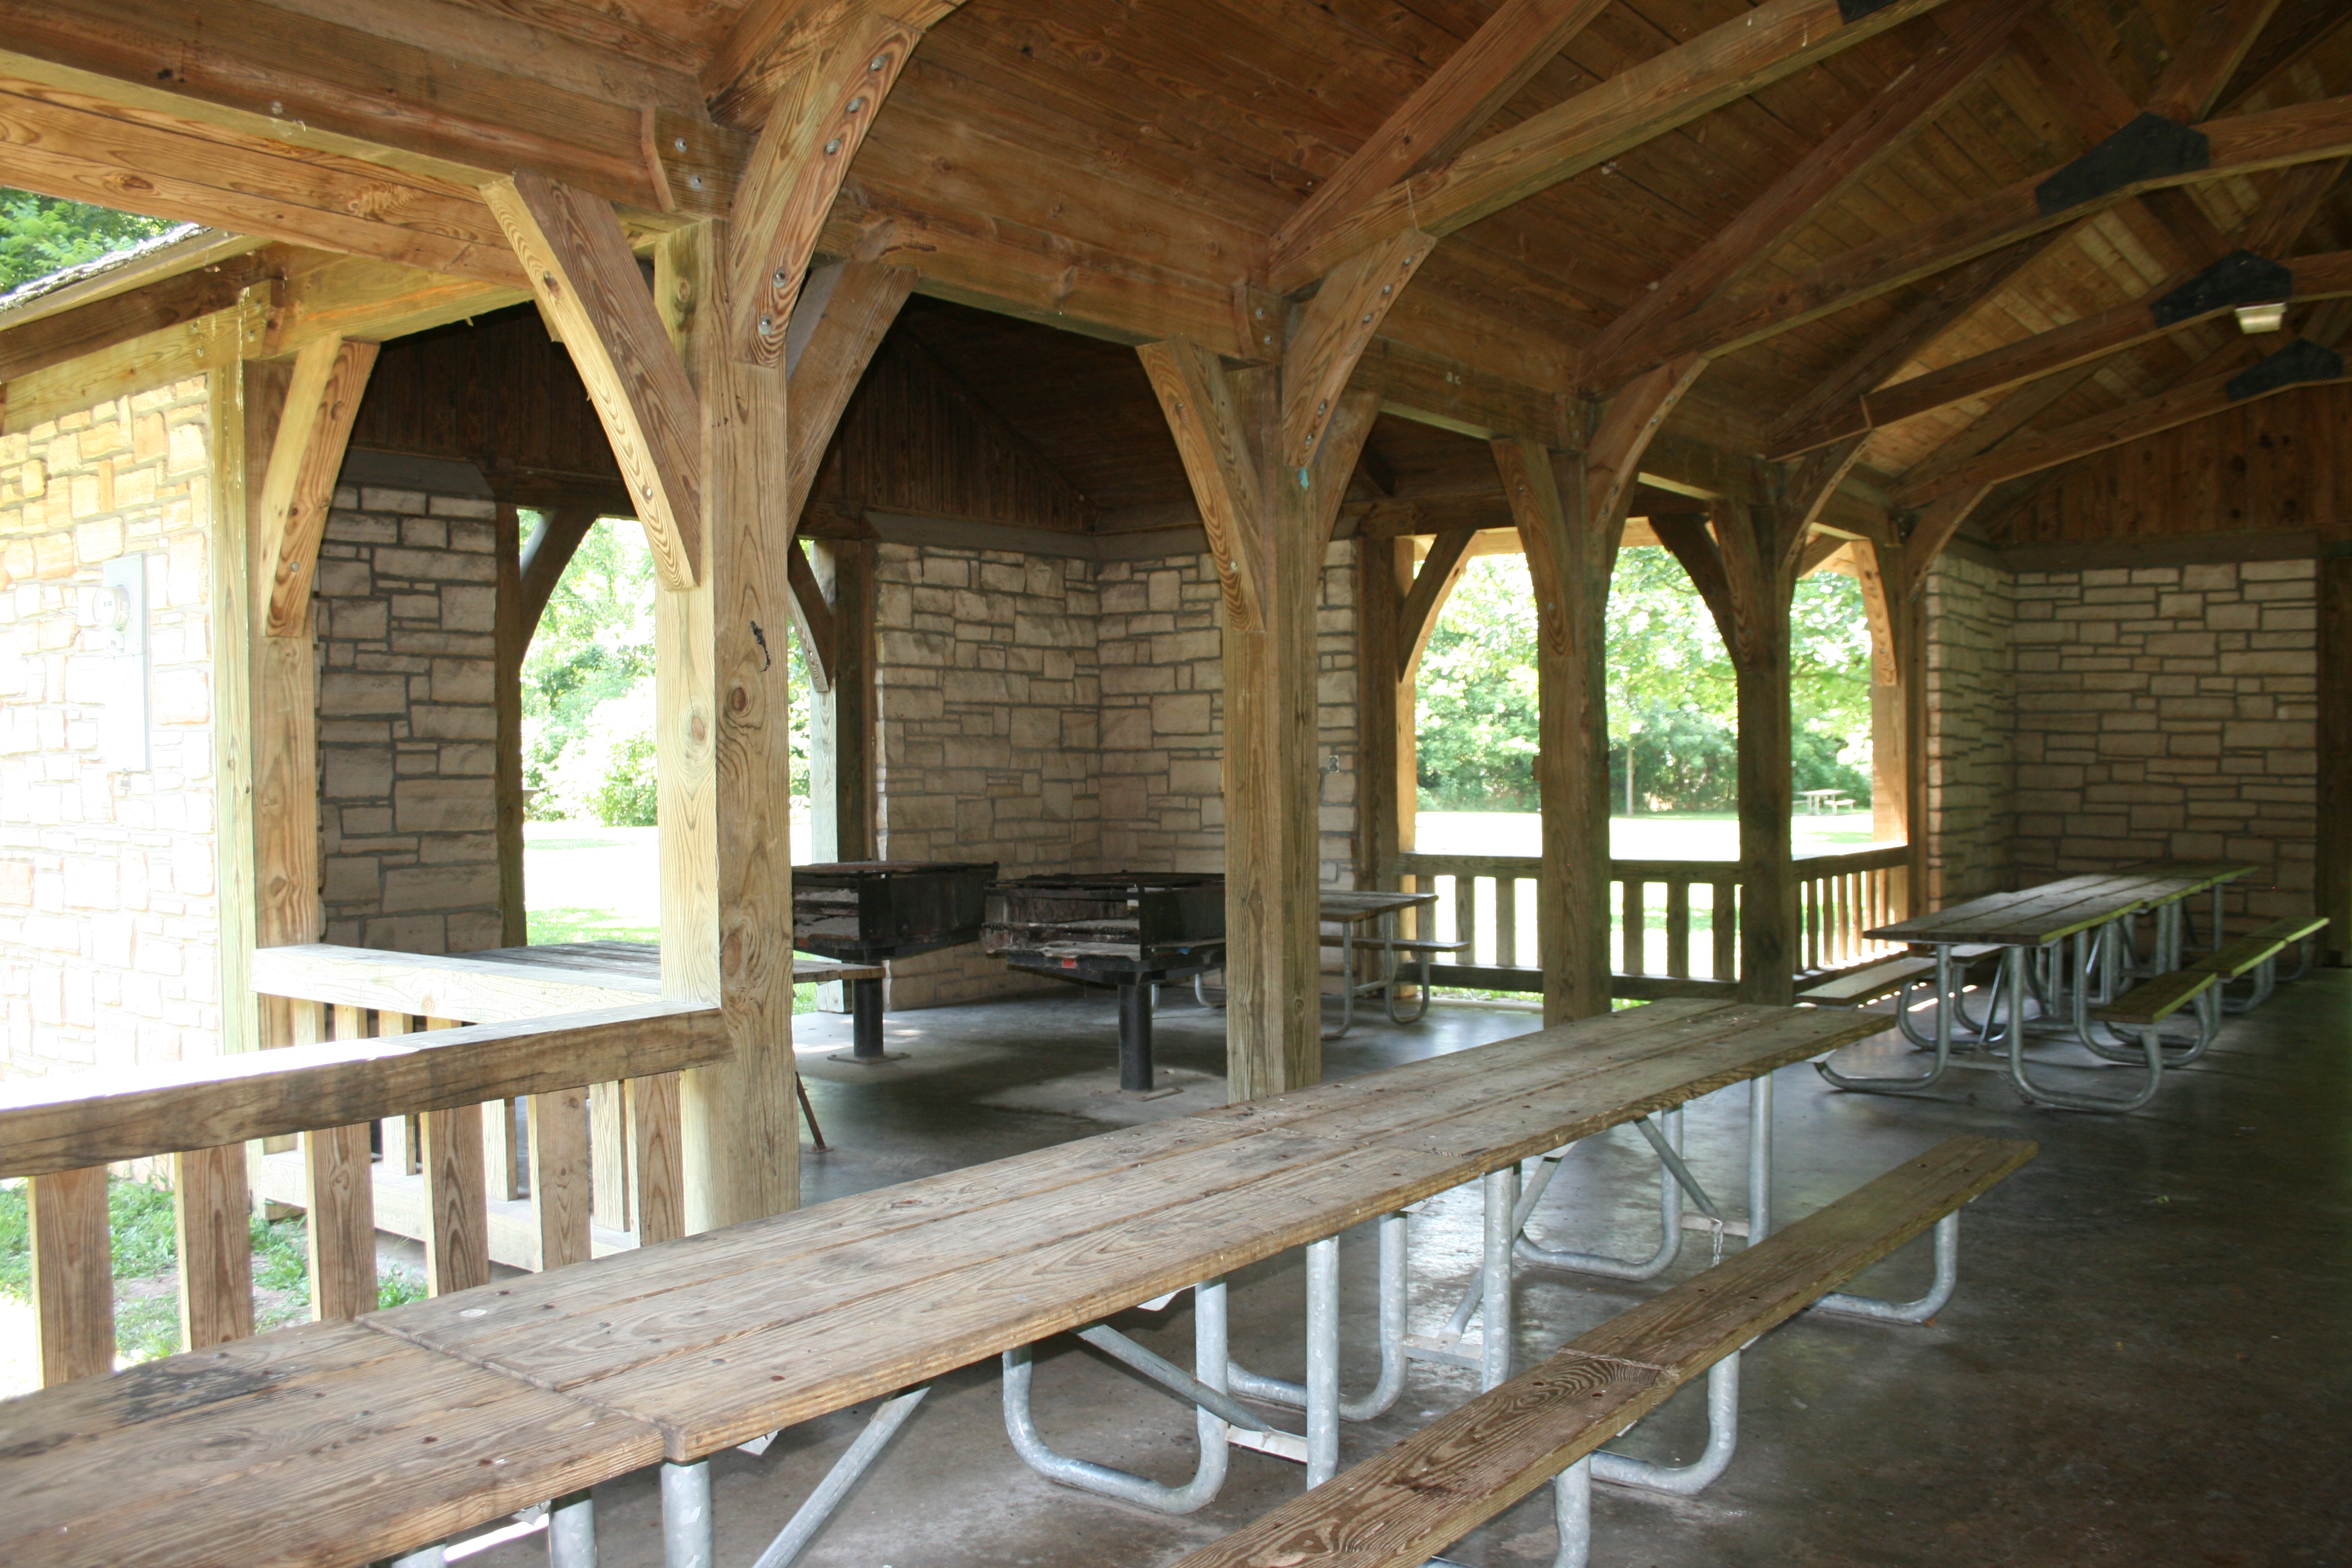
(804, 151)
(838, 322)
(585, 276)
(1417, 615)
(1214, 444)
(1336, 327)
(1674, 87)
(1938, 521)
(1973, 40)
(1631, 420)
(812, 618)
(322, 401)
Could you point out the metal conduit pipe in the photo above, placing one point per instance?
(685, 1515)
(1722, 1437)
(810, 1516)
(1502, 1193)
(1670, 1218)
(1160, 1369)
(1209, 1363)
(432, 1556)
(1940, 1292)
(1385, 1393)
(572, 1531)
(1759, 1157)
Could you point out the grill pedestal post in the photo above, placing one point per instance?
(1135, 1037)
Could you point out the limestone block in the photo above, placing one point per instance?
(469, 608)
(435, 566)
(1186, 714)
(480, 508)
(1052, 631)
(446, 723)
(424, 533)
(417, 887)
(357, 620)
(338, 579)
(1196, 776)
(347, 773)
(445, 805)
(355, 694)
(376, 499)
(465, 681)
(352, 879)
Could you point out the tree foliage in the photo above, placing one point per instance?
(41, 235)
(1672, 692)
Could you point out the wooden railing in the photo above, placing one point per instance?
(63, 1130)
(1675, 926)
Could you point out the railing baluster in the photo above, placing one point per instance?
(457, 1208)
(212, 1214)
(73, 1275)
(1725, 921)
(341, 1221)
(1507, 920)
(1678, 928)
(560, 1192)
(608, 1156)
(657, 1158)
(1630, 921)
(1466, 890)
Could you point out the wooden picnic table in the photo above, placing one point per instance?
(1351, 911)
(2034, 921)
(333, 1444)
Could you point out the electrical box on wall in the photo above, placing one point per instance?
(116, 617)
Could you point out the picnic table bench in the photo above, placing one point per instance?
(339, 1443)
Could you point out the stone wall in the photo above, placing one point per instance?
(2169, 712)
(986, 701)
(406, 612)
(109, 925)
(1163, 714)
(1971, 690)
(1067, 715)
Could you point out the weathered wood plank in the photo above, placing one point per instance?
(561, 1191)
(69, 1121)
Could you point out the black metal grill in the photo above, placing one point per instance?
(864, 912)
(1129, 930)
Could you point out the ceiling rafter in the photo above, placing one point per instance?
(1672, 89)
(1974, 37)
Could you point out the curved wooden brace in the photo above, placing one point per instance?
(321, 401)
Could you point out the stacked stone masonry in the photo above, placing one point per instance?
(1066, 715)
(2171, 712)
(406, 612)
(1971, 686)
(110, 924)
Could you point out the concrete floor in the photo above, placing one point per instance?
(2146, 1362)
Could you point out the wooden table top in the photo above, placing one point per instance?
(2034, 916)
(1348, 908)
(687, 1347)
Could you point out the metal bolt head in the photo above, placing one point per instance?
(877, 62)
(832, 146)
(858, 103)
(678, 144)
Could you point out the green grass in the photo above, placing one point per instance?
(147, 1261)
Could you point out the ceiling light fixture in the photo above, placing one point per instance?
(2267, 317)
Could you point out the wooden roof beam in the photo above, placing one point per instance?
(1672, 89)
(1974, 37)
(2137, 160)
(2244, 278)
(71, 146)
(2301, 363)
(1446, 110)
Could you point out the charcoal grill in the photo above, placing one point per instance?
(1123, 929)
(864, 912)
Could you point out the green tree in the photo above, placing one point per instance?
(41, 235)
(1671, 689)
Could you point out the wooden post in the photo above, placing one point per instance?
(1570, 559)
(725, 751)
(210, 1213)
(1384, 711)
(1769, 931)
(233, 690)
(656, 1160)
(514, 631)
(2334, 892)
(456, 1209)
(341, 1221)
(73, 1275)
(841, 720)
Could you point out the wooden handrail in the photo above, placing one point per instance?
(68, 1122)
(438, 985)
